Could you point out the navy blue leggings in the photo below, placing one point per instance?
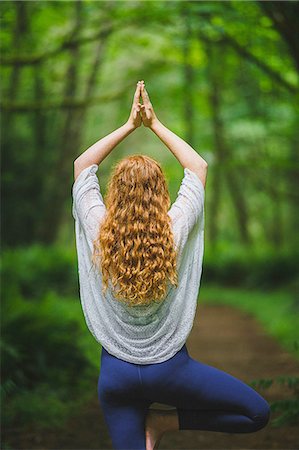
(206, 398)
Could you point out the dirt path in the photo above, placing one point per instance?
(227, 339)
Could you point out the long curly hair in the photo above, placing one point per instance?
(135, 243)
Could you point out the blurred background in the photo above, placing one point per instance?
(224, 77)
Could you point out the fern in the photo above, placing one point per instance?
(289, 407)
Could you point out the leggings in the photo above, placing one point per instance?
(206, 398)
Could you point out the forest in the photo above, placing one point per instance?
(224, 76)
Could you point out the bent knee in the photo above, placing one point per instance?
(262, 417)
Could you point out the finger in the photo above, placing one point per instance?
(144, 96)
(137, 93)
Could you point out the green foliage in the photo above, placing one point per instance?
(288, 408)
(40, 407)
(48, 120)
(43, 335)
(32, 271)
(252, 268)
(43, 359)
(50, 116)
(49, 359)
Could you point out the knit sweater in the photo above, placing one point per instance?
(143, 334)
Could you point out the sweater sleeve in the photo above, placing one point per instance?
(188, 207)
(88, 205)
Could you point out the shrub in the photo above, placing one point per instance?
(252, 269)
(33, 271)
(48, 356)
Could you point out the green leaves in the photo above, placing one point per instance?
(287, 408)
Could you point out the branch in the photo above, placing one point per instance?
(249, 56)
(75, 104)
(66, 45)
(28, 107)
(23, 60)
(267, 69)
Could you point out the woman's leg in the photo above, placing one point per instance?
(206, 398)
(227, 404)
(122, 403)
(126, 424)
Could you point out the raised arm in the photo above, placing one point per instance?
(98, 151)
(185, 154)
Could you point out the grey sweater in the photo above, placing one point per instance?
(141, 334)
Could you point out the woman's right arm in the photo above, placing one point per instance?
(185, 154)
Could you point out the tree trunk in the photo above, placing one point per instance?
(12, 233)
(293, 188)
(188, 80)
(223, 153)
(58, 193)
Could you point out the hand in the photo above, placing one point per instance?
(147, 111)
(135, 117)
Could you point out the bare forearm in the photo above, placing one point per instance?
(98, 151)
(185, 154)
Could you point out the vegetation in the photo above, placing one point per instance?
(287, 409)
(48, 357)
(222, 75)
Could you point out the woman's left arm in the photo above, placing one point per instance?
(98, 151)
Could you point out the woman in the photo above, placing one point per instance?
(140, 266)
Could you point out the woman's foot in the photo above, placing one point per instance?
(157, 423)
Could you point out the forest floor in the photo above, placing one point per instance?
(225, 338)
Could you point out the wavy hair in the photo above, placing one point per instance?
(135, 243)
